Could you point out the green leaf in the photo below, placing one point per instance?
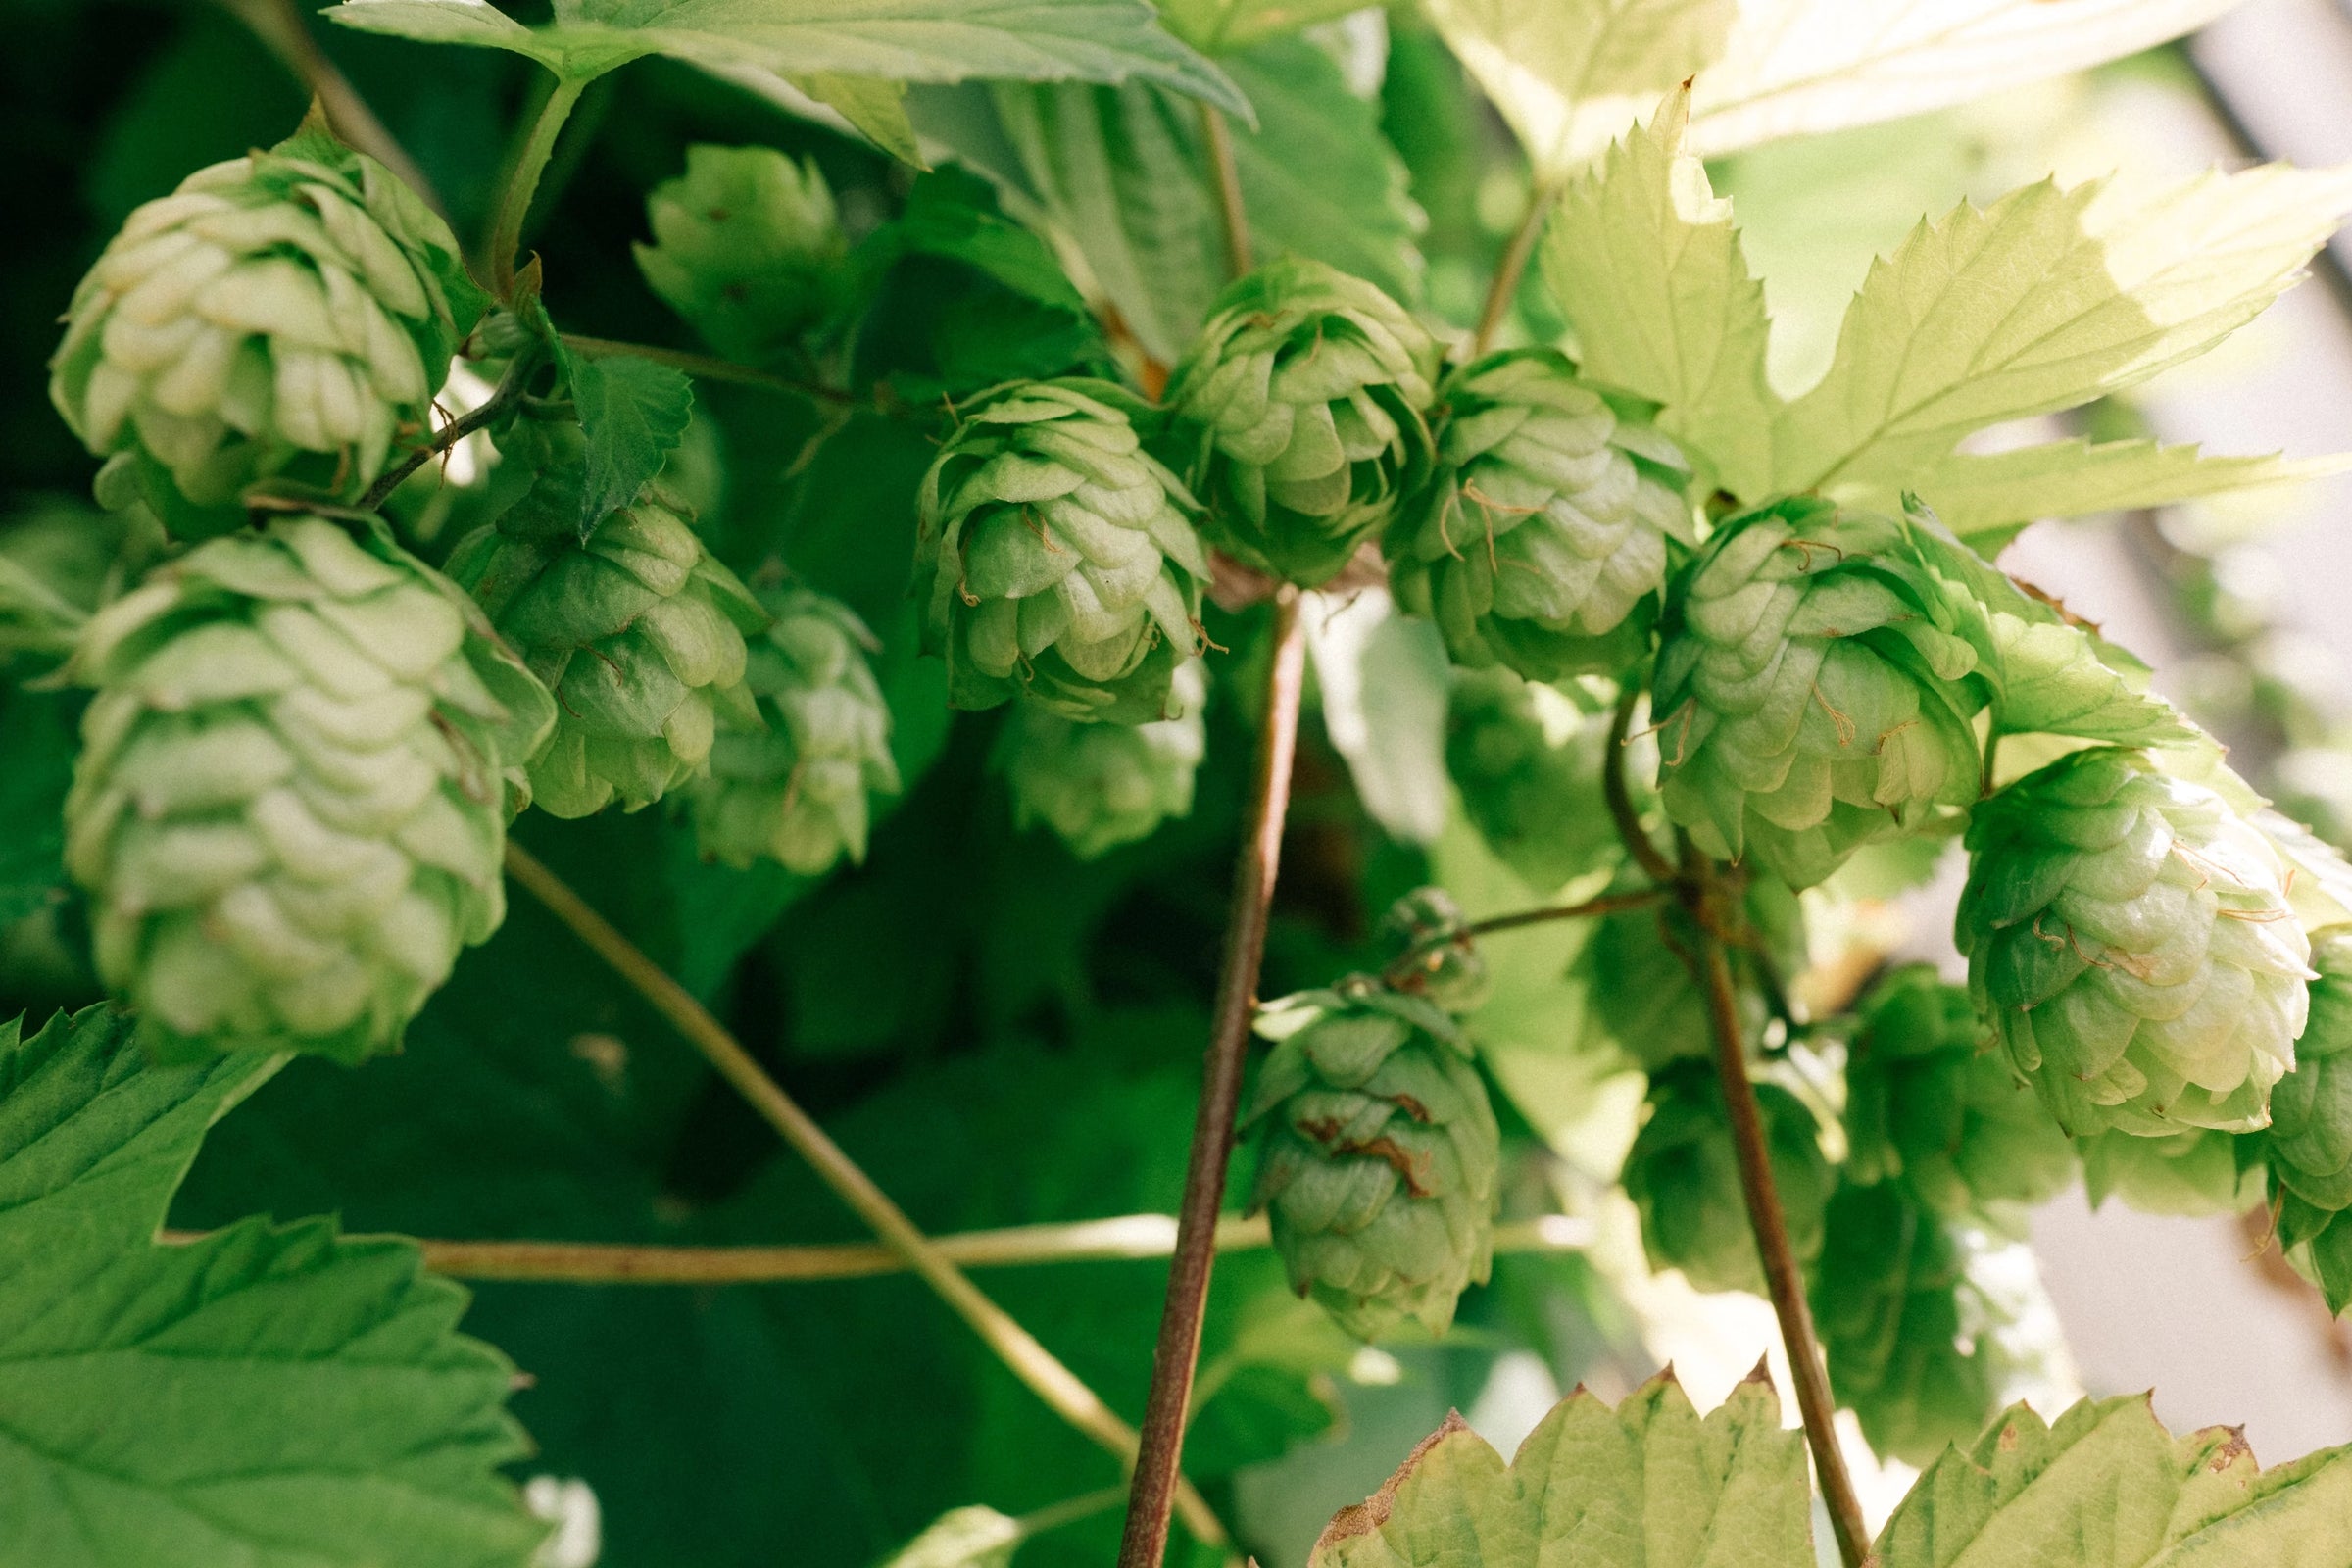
(898, 40)
(633, 412)
(272, 1396)
(1645, 261)
(1221, 27)
(1987, 499)
(876, 107)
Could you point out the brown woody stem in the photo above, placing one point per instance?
(1401, 971)
(1619, 795)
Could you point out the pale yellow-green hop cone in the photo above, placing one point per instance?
(638, 630)
(1379, 1160)
(1541, 541)
(2129, 939)
(1683, 1175)
(290, 808)
(1098, 786)
(748, 248)
(290, 312)
(796, 790)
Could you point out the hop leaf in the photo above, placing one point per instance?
(637, 630)
(795, 788)
(288, 808)
(1684, 1177)
(1304, 393)
(747, 247)
(288, 313)
(1380, 1157)
(1528, 760)
(1637, 977)
(1057, 558)
(1542, 541)
(1098, 786)
(2129, 938)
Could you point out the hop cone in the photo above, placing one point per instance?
(2309, 1145)
(1638, 982)
(290, 809)
(1426, 927)
(2193, 1172)
(747, 247)
(637, 630)
(1528, 762)
(1098, 786)
(291, 312)
(795, 788)
(1684, 1177)
(1306, 389)
(1929, 1102)
(1807, 699)
(1381, 1156)
(1057, 558)
(1540, 543)
(2129, 938)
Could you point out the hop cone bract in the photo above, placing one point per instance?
(1527, 760)
(2308, 1147)
(2129, 939)
(1098, 786)
(2193, 1172)
(747, 247)
(291, 312)
(1541, 541)
(1380, 1157)
(289, 810)
(1684, 1177)
(795, 788)
(1056, 558)
(1306, 389)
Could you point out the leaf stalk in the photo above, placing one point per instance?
(522, 182)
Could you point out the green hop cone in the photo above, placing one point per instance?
(1380, 1159)
(1306, 392)
(2129, 939)
(2193, 1172)
(1541, 541)
(290, 808)
(2308, 1147)
(1528, 760)
(1098, 786)
(1932, 1104)
(288, 313)
(1428, 929)
(1056, 558)
(795, 788)
(748, 248)
(1638, 981)
(1683, 1178)
(637, 630)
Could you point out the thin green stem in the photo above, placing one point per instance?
(1399, 973)
(1070, 1510)
(522, 183)
(1504, 287)
(1227, 175)
(708, 367)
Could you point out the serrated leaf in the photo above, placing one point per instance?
(1645, 261)
(633, 412)
(272, 1396)
(1987, 499)
(1220, 27)
(896, 40)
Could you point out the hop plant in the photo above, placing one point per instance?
(795, 787)
(1635, 973)
(1380, 1157)
(1931, 1104)
(637, 630)
(1437, 955)
(1056, 558)
(1683, 1175)
(288, 313)
(2308, 1147)
(290, 807)
(1098, 786)
(1541, 542)
(2129, 939)
(1305, 392)
(747, 247)
(1528, 760)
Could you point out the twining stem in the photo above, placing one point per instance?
(1506, 286)
(1175, 1358)
(280, 27)
(522, 183)
(1228, 177)
(707, 367)
(1619, 795)
(509, 392)
(1401, 971)
(1019, 1348)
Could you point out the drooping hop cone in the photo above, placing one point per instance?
(1304, 395)
(747, 247)
(1098, 786)
(1528, 760)
(2129, 939)
(797, 789)
(1808, 700)
(1684, 1177)
(637, 630)
(1541, 541)
(1379, 1159)
(1932, 1103)
(1437, 957)
(292, 312)
(1635, 972)
(2308, 1147)
(290, 808)
(1056, 558)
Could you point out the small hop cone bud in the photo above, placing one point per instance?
(1930, 1102)
(1380, 1159)
(1428, 927)
(637, 630)
(1527, 760)
(796, 789)
(1098, 786)
(1540, 543)
(1635, 974)
(1056, 558)
(1306, 390)
(290, 808)
(2129, 938)
(748, 248)
(2193, 1172)
(1683, 1178)
(289, 312)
